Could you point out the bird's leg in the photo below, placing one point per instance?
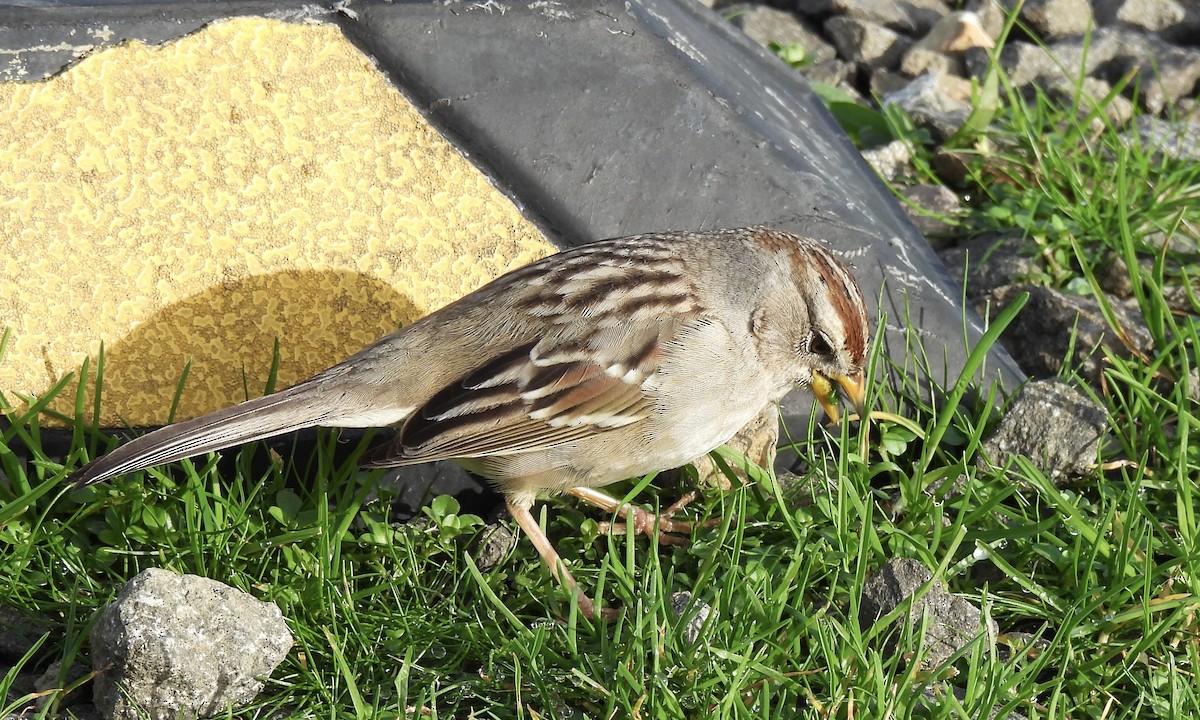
(658, 527)
(756, 441)
(550, 556)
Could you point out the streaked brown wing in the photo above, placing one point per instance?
(580, 381)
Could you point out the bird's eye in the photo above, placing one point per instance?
(818, 344)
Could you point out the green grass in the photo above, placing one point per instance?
(393, 618)
(1095, 584)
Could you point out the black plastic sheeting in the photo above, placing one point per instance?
(602, 119)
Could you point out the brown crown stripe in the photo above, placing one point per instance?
(846, 298)
(782, 243)
(841, 287)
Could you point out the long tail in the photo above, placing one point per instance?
(296, 408)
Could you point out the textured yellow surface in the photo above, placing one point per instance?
(200, 199)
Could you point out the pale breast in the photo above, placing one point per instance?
(708, 386)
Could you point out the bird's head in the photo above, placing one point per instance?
(819, 325)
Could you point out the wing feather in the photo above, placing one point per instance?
(535, 396)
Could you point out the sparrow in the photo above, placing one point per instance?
(597, 364)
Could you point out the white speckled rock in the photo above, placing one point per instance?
(182, 646)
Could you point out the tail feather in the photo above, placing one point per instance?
(256, 419)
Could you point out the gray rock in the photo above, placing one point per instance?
(50, 686)
(1090, 97)
(1054, 426)
(1025, 62)
(977, 62)
(951, 621)
(181, 646)
(988, 262)
(919, 60)
(1068, 328)
(950, 166)
(1152, 15)
(830, 72)
(1167, 72)
(930, 207)
(1178, 242)
(1178, 140)
(19, 630)
(495, 543)
(912, 17)
(942, 49)
(866, 43)
(889, 160)
(1112, 275)
(697, 616)
(957, 32)
(1114, 278)
(25, 683)
(840, 74)
(991, 14)
(1179, 297)
(1173, 20)
(1057, 19)
(1087, 97)
(766, 25)
(936, 101)
(885, 82)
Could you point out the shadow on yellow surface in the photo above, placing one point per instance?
(228, 332)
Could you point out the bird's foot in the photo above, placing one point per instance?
(659, 527)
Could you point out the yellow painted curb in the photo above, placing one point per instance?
(253, 181)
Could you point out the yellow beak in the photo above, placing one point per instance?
(854, 386)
